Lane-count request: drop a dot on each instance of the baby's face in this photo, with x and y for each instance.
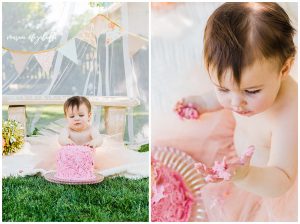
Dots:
(257, 91)
(78, 118)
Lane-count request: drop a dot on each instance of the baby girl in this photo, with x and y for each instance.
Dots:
(77, 111)
(249, 52)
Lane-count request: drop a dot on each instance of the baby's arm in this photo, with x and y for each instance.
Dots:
(204, 103)
(279, 175)
(64, 139)
(97, 138)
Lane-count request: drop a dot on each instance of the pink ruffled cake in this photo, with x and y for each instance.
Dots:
(75, 163)
(171, 200)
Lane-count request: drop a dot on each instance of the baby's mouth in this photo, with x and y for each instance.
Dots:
(242, 112)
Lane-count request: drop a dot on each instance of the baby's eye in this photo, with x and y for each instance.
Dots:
(71, 116)
(252, 91)
(223, 90)
(81, 115)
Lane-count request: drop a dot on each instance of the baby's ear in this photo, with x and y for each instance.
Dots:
(286, 68)
(90, 115)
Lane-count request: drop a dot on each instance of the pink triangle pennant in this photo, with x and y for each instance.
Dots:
(20, 61)
(100, 25)
(113, 33)
(45, 60)
(88, 35)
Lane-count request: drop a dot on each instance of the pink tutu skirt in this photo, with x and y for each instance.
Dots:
(209, 139)
(111, 158)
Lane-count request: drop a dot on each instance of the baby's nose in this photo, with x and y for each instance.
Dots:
(237, 102)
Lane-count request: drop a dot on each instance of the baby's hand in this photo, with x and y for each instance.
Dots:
(235, 169)
(219, 172)
(67, 142)
(186, 110)
(93, 144)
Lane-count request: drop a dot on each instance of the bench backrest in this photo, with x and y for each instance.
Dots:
(112, 101)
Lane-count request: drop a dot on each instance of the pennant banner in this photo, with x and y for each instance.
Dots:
(20, 61)
(45, 60)
(98, 25)
(69, 51)
(88, 35)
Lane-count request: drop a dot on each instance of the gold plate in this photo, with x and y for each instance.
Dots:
(51, 177)
(183, 164)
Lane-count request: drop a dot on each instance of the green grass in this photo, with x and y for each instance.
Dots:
(34, 199)
(144, 148)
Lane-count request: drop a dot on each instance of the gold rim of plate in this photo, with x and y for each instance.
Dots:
(183, 164)
(51, 178)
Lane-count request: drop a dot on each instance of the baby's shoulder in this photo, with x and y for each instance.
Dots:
(65, 131)
(287, 105)
(285, 117)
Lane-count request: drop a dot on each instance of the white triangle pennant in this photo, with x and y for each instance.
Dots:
(45, 60)
(114, 32)
(20, 61)
(69, 51)
(100, 25)
(88, 35)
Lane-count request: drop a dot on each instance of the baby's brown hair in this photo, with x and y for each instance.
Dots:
(77, 101)
(237, 34)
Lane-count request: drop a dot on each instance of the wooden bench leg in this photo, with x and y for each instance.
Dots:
(18, 113)
(115, 120)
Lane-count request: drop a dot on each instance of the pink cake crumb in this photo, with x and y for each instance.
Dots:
(171, 200)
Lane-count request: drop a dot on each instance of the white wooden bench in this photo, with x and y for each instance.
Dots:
(114, 108)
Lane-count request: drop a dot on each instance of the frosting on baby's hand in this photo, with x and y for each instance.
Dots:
(247, 155)
(222, 170)
(188, 111)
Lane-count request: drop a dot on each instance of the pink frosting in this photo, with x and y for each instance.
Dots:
(188, 111)
(171, 200)
(221, 169)
(249, 153)
(75, 163)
